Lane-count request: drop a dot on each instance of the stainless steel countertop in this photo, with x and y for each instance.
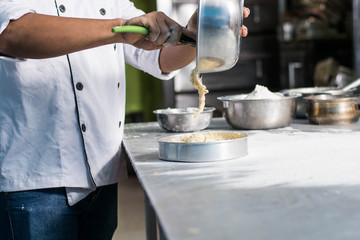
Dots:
(298, 182)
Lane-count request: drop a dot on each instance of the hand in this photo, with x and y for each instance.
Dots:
(244, 30)
(163, 31)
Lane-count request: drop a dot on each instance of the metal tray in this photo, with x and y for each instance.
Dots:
(203, 151)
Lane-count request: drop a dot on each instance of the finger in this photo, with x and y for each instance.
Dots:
(188, 33)
(154, 32)
(175, 33)
(143, 21)
(165, 32)
(244, 31)
(192, 24)
(246, 12)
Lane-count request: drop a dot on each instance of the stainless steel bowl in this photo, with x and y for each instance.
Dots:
(329, 109)
(203, 151)
(243, 113)
(182, 119)
(311, 91)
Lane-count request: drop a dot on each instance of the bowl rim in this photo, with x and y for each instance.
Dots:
(286, 96)
(182, 111)
(309, 90)
(331, 98)
(162, 139)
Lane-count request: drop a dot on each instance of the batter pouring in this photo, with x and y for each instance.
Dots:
(196, 81)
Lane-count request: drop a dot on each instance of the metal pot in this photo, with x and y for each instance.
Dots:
(311, 91)
(218, 38)
(346, 91)
(331, 109)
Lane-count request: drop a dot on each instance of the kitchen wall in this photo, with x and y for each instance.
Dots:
(309, 32)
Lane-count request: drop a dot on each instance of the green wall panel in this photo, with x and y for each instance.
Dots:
(143, 92)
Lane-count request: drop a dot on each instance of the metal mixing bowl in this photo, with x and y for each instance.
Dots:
(182, 119)
(329, 109)
(243, 113)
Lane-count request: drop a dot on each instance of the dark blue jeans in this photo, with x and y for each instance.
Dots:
(45, 215)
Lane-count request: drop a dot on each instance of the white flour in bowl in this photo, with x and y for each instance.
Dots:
(261, 92)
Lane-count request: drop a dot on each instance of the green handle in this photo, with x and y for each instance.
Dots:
(131, 29)
(143, 30)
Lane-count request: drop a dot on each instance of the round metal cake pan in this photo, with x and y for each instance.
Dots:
(202, 151)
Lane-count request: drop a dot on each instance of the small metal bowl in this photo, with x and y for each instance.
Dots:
(330, 109)
(183, 120)
(229, 145)
(243, 113)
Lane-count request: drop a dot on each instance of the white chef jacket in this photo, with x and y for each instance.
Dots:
(62, 118)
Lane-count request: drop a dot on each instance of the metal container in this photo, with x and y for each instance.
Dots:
(346, 91)
(306, 92)
(182, 119)
(203, 151)
(218, 37)
(330, 109)
(243, 113)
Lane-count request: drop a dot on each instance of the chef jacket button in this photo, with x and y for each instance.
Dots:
(62, 8)
(79, 86)
(102, 11)
(120, 124)
(118, 84)
(83, 127)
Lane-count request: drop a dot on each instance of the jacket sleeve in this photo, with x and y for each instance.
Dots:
(147, 61)
(11, 10)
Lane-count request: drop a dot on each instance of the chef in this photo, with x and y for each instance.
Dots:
(62, 107)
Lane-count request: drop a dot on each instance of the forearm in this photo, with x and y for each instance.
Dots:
(176, 57)
(43, 36)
